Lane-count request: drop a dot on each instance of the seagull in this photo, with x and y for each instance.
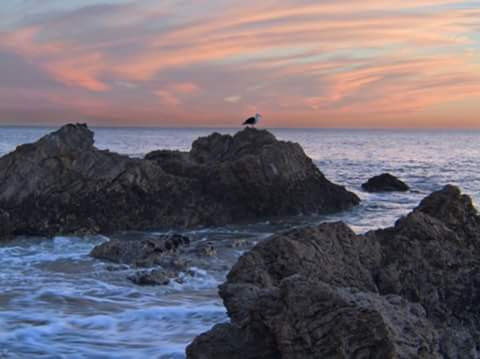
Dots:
(253, 120)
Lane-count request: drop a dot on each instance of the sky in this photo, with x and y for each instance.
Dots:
(211, 63)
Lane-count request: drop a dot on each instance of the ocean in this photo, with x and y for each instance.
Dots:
(57, 302)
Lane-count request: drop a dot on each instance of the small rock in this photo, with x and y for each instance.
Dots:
(239, 243)
(206, 250)
(141, 253)
(385, 183)
(116, 268)
(154, 277)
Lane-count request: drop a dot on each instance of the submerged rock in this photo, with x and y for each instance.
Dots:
(409, 291)
(206, 250)
(153, 277)
(140, 252)
(63, 184)
(385, 183)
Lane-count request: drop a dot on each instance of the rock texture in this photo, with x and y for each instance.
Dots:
(63, 184)
(153, 277)
(410, 291)
(140, 253)
(385, 183)
(252, 175)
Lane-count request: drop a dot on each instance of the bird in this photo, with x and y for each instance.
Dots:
(253, 120)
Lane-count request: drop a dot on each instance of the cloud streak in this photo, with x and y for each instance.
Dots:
(335, 63)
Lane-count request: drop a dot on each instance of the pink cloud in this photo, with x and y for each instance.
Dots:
(168, 98)
(185, 87)
(307, 59)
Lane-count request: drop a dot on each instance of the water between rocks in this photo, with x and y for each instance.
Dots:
(57, 302)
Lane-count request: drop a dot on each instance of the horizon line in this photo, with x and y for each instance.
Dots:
(220, 127)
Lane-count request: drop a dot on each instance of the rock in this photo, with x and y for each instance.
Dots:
(409, 291)
(240, 243)
(231, 342)
(117, 268)
(140, 253)
(206, 250)
(311, 319)
(62, 184)
(253, 176)
(385, 183)
(154, 277)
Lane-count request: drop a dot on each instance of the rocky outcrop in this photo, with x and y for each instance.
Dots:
(63, 184)
(252, 175)
(409, 291)
(385, 183)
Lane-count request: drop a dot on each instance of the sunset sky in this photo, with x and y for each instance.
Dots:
(301, 63)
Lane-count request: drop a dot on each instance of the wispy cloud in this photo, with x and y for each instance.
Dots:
(346, 63)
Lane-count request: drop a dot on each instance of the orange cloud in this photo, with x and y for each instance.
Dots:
(82, 72)
(310, 59)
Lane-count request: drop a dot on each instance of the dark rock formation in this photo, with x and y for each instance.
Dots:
(166, 253)
(252, 175)
(63, 184)
(140, 253)
(385, 183)
(410, 291)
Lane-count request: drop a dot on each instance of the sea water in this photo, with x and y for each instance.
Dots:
(57, 302)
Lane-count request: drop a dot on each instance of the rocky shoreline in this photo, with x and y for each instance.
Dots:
(409, 291)
(315, 291)
(62, 184)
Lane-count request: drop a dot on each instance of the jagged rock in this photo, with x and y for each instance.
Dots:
(253, 175)
(385, 183)
(140, 253)
(409, 291)
(63, 184)
(311, 319)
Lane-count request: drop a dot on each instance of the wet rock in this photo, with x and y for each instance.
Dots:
(206, 250)
(232, 342)
(153, 277)
(385, 183)
(409, 291)
(240, 243)
(311, 319)
(5, 224)
(62, 184)
(117, 268)
(142, 252)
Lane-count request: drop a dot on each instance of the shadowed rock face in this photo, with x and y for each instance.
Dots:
(410, 291)
(253, 175)
(385, 183)
(63, 184)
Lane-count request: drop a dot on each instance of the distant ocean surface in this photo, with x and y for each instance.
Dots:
(56, 302)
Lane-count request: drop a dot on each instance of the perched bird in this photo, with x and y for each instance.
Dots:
(253, 120)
